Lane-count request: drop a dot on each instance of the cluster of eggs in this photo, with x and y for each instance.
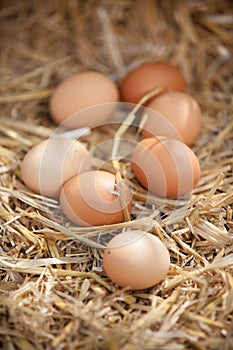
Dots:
(162, 161)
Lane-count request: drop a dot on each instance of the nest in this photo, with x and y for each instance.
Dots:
(54, 292)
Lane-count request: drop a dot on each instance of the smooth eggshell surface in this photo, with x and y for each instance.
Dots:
(149, 76)
(166, 167)
(136, 259)
(91, 199)
(84, 100)
(49, 164)
(179, 110)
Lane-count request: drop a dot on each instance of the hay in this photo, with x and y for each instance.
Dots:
(54, 294)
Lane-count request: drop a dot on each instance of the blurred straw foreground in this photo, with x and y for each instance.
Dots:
(54, 293)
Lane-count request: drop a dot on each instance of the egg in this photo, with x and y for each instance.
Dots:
(179, 110)
(166, 167)
(136, 259)
(93, 198)
(49, 164)
(149, 76)
(83, 100)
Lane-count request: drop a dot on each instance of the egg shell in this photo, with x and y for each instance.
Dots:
(49, 164)
(83, 100)
(136, 259)
(179, 110)
(166, 167)
(91, 199)
(149, 76)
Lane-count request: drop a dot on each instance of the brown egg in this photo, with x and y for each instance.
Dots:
(94, 199)
(179, 110)
(83, 100)
(49, 164)
(147, 77)
(136, 259)
(166, 167)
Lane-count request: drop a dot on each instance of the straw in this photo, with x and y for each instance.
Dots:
(54, 293)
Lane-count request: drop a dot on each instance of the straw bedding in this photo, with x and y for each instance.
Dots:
(54, 293)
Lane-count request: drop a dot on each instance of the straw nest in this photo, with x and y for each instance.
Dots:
(54, 293)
